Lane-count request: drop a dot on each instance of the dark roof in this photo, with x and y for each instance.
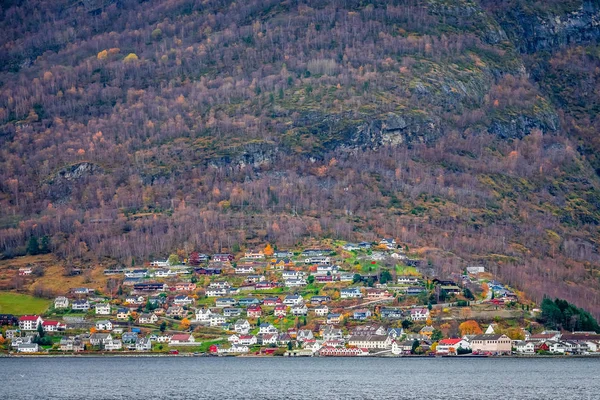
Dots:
(487, 337)
(580, 337)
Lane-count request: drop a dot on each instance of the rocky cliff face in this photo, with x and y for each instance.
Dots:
(61, 185)
(545, 30)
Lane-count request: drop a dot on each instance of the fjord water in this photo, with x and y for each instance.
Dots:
(301, 378)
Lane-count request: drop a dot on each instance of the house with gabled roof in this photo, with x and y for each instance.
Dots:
(391, 313)
(280, 310)
(293, 299)
(272, 301)
(203, 314)
(500, 344)
(254, 311)
(113, 345)
(329, 333)
(304, 335)
(30, 322)
(98, 339)
(451, 346)
(102, 309)
(53, 326)
(104, 325)
(268, 339)
(388, 243)
(321, 310)
(241, 326)
(80, 305)
(362, 314)
(265, 328)
(299, 309)
(143, 344)
(371, 341)
(232, 312)
(419, 314)
(182, 338)
(350, 293)
(175, 311)
(183, 300)
(123, 313)
(61, 302)
(334, 318)
(147, 318)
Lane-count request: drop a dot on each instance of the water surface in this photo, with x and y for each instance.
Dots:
(173, 378)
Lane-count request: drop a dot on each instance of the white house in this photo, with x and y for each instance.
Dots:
(80, 305)
(217, 319)
(182, 338)
(388, 243)
(148, 318)
(371, 341)
(300, 309)
(182, 300)
(321, 311)
(234, 349)
(102, 309)
(53, 326)
(294, 282)
(30, 322)
(451, 346)
(350, 293)
(292, 274)
(28, 348)
(216, 291)
(241, 326)
(293, 299)
(244, 269)
(143, 344)
(98, 339)
(304, 335)
(419, 314)
(112, 345)
(267, 328)
(203, 314)
(61, 302)
(104, 325)
(524, 347)
(408, 280)
(247, 340)
(254, 255)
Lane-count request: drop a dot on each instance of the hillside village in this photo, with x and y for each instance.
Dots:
(353, 299)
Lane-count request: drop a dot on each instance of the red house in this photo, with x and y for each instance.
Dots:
(271, 302)
(254, 311)
(222, 257)
(280, 310)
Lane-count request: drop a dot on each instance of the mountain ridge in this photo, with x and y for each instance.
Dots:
(215, 124)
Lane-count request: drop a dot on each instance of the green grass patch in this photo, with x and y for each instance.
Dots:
(21, 304)
(405, 270)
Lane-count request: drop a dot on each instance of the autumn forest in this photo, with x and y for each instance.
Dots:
(131, 129)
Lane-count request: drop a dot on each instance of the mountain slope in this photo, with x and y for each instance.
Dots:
(130, 129)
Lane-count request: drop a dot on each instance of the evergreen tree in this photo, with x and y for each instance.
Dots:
(414, 347)
(40, 331)
(385, 277)
(33, 247)
(45, 245)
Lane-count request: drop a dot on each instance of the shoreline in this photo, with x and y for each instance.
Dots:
(206, 355)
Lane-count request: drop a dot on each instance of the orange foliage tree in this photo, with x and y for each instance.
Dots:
(470, 327)
(268, 250)
(185, 324)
